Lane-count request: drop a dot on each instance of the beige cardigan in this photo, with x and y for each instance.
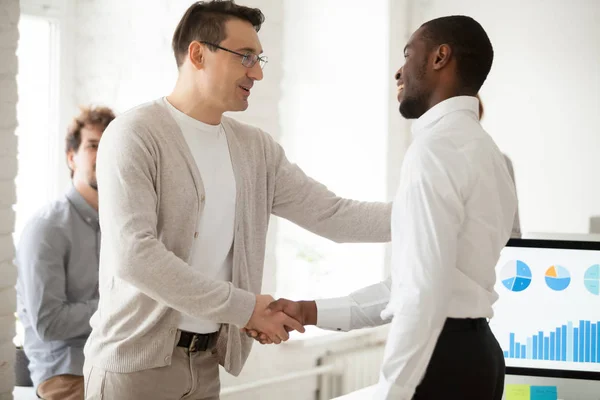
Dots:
(151, 195)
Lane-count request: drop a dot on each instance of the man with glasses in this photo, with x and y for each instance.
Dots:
(186, 196)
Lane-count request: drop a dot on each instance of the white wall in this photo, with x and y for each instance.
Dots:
(9, 18)
(542, 99)
(334, 121)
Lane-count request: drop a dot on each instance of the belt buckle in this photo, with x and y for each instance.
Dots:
(192, 347)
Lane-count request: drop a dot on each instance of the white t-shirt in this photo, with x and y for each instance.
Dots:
(212, 249)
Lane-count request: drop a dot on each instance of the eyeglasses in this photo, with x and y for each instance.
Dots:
(248, 59)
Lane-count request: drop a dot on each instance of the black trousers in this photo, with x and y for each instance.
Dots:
(467, 364)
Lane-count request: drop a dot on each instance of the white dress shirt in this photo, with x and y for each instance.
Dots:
(452, 215)
(212, 249)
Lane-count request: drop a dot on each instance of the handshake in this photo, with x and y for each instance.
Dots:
(272, 320)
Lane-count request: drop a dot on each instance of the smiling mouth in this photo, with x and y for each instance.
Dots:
(247, 90)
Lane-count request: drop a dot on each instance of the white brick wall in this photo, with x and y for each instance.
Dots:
(9, 18)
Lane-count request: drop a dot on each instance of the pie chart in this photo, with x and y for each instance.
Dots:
(591, 279)
(558, 278)
(516, 276)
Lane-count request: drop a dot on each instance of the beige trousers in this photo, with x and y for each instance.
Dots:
(191, 376)
(61, 387)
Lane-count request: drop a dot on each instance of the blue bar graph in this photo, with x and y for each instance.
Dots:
(511, 350)
(587, 340)
(558, 340)
(594, 334)
(581, 357)
(563, 347)
(576, 344)
(598, 342)
(572, 342)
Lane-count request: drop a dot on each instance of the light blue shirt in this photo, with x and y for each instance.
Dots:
(57, 285)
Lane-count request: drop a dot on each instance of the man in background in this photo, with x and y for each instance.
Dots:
(57, 261)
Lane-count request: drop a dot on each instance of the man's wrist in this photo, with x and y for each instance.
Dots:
(309, 312)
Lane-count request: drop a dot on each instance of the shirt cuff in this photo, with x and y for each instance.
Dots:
(334, 314)
(389, 390)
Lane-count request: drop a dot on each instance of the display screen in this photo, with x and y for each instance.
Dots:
(547, 315)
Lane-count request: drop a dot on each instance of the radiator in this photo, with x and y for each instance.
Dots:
(339, 373)
(353, 370)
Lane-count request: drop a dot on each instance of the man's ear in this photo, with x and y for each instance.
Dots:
(196, 54)
(70, 161)
(442, 56)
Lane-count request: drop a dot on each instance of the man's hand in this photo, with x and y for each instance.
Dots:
(273, 323)
(305, 312)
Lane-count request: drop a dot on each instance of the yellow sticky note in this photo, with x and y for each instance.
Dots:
(517, 392)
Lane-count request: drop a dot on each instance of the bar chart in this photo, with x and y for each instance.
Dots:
(579, 342)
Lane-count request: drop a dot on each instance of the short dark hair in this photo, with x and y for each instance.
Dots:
(204, 21)
(470, 45)
(98, 117)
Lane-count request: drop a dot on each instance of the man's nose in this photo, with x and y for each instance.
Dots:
(399, 73)
(255, 73)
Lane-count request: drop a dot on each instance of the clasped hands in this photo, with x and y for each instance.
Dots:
(271, 320)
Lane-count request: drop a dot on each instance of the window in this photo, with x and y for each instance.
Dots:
(37, 116)
(334, 124)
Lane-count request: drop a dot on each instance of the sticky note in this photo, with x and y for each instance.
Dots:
(517, 392)
(544, 393)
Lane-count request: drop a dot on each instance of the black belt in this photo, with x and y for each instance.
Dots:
(465, 324)
(197, 341)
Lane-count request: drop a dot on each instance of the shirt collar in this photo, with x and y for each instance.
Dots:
(440, 110)
(87, 212)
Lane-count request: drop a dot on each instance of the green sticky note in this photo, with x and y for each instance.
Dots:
(544, 393)
(517, 392)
